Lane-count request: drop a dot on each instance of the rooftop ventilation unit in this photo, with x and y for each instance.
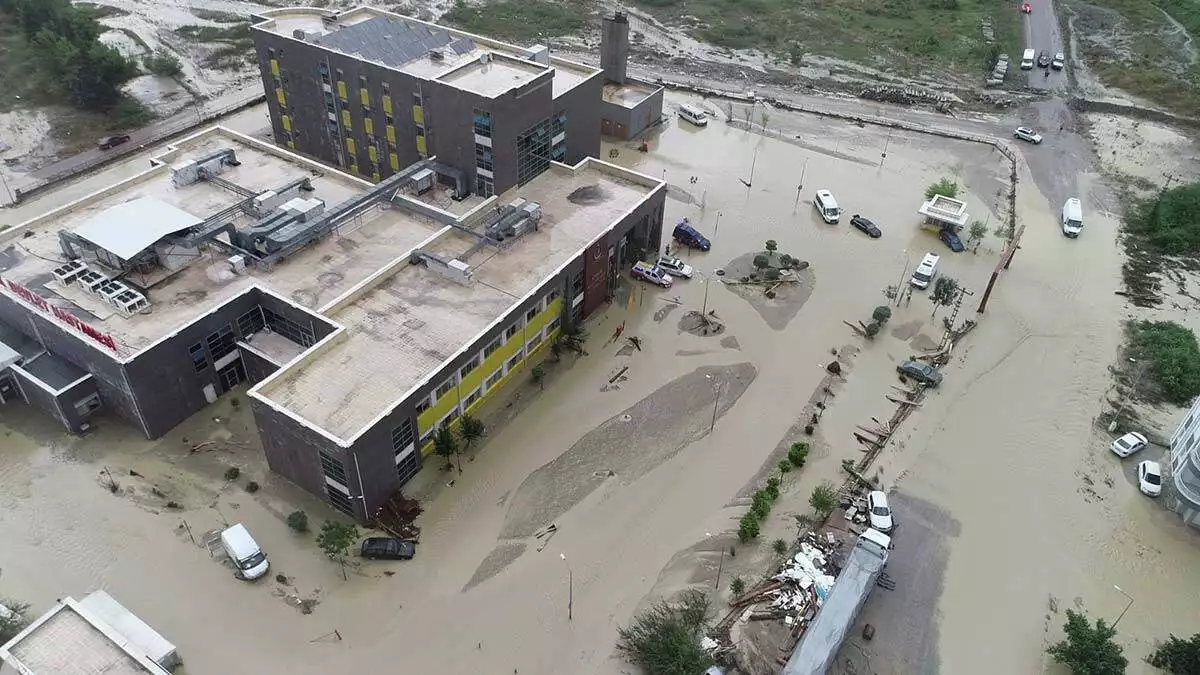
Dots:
(130, 302)
(538, 54)
(299, 34)
(67, 274)
(111, 289)
(485, 58)
(455, 270)
(436, 55)
(90, 280)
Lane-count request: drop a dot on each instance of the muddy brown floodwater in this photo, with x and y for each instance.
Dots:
(990, 462)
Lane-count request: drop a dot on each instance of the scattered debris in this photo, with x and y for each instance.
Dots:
(396, 516)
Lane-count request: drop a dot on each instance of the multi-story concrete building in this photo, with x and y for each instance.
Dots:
(372, 92)
(1183, 497)
(361, 317)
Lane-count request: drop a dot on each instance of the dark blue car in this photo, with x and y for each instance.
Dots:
(947, 235)
(688, 236)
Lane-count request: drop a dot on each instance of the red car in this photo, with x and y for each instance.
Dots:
(1027, 8)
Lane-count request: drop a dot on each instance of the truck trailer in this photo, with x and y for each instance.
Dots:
(815, 652)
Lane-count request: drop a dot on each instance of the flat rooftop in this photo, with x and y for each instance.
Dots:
(628, 95)
(311, 278)
(409, 324)
(66, 642)
(404, 44)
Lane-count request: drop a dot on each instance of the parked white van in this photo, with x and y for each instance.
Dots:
(1027, 59)
(923, 275)
(827, 206)
(1072, 217)
(693, 114)
(241, 548)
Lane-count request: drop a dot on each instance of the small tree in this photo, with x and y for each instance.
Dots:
(471, 429)
(823, 499)
(761, 262)
(945, 291)
(772, 246)
(14, 621)
(737, 586)
(873, 329)
(298, 521)
(798, 453)
(787, 262)
(538, 374)
(335, 540)
(445, 444)
(779, 546)
(163, 63)
(881, 314)
(748, 527)
(665, 639)
(1087, 649)
(944, 187)
(976, 234)
(1177, 656)
(771, 274)
(784, 466)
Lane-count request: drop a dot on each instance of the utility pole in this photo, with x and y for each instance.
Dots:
(886, 143)
(962, 293)
(800, 187)
(900, 282)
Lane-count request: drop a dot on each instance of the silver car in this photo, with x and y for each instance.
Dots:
(1027, 134)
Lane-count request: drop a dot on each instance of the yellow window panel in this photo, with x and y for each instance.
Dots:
(275, 67)
(342, 90)
(364, 96)
(350, 146)
(375, 176)
(373, 153)
(421, 146)
(394, 159)
(346, 119)
(354, 169)
(369, 125)
(292, 144)
(391, 134)
(287, 122)
(418, 114)
(387, 104)
(282, 97)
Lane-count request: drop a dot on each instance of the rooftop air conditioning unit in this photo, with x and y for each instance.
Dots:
(436, 55)
(90, 280)
(299, 34)
(237, 263)
(485, 58)
(460, 271)
(67, 274)
(130, 302)
(111, 289)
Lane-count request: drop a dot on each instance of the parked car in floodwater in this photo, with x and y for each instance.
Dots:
(921, 372)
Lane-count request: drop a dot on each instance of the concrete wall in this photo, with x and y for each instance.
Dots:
(67, 398)
(292, 450)
(258, 367)
(624, 123)
(39, 399)
(582, 105)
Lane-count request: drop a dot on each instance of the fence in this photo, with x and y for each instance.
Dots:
(161, 132)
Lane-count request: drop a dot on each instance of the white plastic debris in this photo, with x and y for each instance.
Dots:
(708, 644)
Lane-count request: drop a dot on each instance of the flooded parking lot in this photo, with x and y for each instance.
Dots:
(989, 469)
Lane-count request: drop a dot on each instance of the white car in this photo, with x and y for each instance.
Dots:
(1027, 134)
(675, 266)
(1059, 61)
(1150, 478)
(1129, 444)
(879, 512)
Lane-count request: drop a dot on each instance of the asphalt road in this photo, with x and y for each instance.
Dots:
(1042, 32)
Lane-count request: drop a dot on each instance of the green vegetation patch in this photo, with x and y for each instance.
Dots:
(522, 20)
(1135, 46)
(101, 11)
(216, 16)
(236, 33)
(1171, 356)
(1169, 221)
(907, 35)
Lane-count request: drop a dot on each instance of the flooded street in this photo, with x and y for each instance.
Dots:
(645, 470)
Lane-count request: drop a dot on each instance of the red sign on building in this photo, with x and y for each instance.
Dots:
(62, 315)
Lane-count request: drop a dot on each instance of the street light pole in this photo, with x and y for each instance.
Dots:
(1127, 606)
(570, 588)
(716, 400)
(900, 281)
(720, 564)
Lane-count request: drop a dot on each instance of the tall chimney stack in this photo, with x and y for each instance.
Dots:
(614, 47)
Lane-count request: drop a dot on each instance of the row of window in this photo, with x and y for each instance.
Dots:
(489, 382)
(223, 341)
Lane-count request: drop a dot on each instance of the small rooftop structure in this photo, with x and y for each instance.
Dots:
(629, 94)
(944, 210)
(74, 639)
(129, 228)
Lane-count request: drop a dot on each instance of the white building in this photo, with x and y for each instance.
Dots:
(1184, 498)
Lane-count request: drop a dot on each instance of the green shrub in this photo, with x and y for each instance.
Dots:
(163, 63)
(737, 586)
(823, 499)
(748, 527)
(232, 473)
(772, 488)
(779, 546)
(761, 504)
(784, 466)
(772, 245)
(761, 261)
(298, 521)
(798, 454)
(252, 487)
(1170, 221)
(881, 314)
(771, 274)
(1171, 356)
(944, 187)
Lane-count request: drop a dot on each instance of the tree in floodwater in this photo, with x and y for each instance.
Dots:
(1088, 649)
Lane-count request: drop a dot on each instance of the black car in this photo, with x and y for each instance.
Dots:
(387, 548)
(1044, 59)
(951, 239)
(112, 141)
(866, 226)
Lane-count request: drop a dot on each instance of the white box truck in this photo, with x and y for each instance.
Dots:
(1027, 59)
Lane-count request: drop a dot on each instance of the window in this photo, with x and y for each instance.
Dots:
(420, 131)
(552, 296)
(445, 388)
(483, 123)
(466, 369)
(550, 327)
(270, 53)
(533, 343)
(484, 187)
(301, 335)
(251, 322)
(332, 466)
(470, 399)
(577, 284)
(511, 364)
(402, 436)
(533, 152)
(362, 81)
(387, 89)
(511, 331)
(389, 120)
(533, 311)
(491, 348)
(221, 343)
(422, 405)
(417, 99)
(493, 379)
(339, 500)
(199, 359)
